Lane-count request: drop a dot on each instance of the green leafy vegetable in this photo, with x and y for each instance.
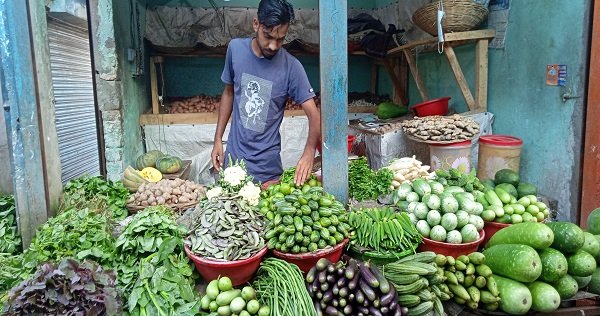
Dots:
(454, 177)
(11, 273)
(79, 191)
(142, 237)
(164, 285)
(82, 234)
(154, 272)
(10, 240)
(288, 176)
(366, 184)
(69, 289)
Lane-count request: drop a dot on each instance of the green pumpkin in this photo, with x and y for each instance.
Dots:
(168, 164)
(148, 159)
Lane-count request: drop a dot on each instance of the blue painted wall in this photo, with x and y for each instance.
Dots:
(186, 76)
(539, 33)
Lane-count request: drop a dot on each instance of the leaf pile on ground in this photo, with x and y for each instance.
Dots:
(77, 193)
(10, 240)
(70, 288)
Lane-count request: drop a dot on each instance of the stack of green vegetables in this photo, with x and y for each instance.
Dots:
(79, 191)
(441, 213)
(418, 283)
(280, 285)
(367, 184)
(154, 272)
(469, 281)
(223, 299)
(10, 241)
(304, 219)
(383, 230)
(454, 177)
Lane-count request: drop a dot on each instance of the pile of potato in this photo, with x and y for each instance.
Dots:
(197, 104)
(167, 192)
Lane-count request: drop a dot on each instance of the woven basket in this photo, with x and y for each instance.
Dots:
(461, 15)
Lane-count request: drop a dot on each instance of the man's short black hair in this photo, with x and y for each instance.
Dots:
(275, 12)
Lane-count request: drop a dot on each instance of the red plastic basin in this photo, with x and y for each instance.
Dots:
(432, 107)
(453, 250)
(305, 261)
(239, 271)
(351, 139)
(490, 229)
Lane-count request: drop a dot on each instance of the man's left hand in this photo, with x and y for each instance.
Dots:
(303, 169)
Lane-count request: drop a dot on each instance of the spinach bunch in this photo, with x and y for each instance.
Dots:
(366, 184)
(11, 273)
(79, 191)
(142, 237)
(10, 240)
(154, 272)
(164, 285)
(81, 234)
(70, 288)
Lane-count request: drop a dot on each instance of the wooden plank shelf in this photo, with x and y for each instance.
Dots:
(211, 117)
(477, 102)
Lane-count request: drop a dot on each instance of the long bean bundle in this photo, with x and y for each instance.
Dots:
(280, 285)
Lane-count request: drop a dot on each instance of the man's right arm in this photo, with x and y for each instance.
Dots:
(225, 109)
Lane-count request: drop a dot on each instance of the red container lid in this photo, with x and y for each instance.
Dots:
(463, 143)
(501, 140)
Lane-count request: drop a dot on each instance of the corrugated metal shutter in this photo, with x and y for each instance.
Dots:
(74, 94)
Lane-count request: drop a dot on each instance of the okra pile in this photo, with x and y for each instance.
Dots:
(468, 281)
(418, 282)
(352, 288)
(383, 230)
(303, 220)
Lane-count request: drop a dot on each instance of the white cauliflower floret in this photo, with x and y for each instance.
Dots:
(234, 175)
(250, 193)
(214, 192)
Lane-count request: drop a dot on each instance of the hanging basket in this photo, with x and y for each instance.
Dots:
(460, 16)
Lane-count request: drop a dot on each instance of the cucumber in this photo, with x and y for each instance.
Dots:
(545, 298)
(568, 237)
(581, 264)
(554, 265)
(566, 286)
(537, 235)
(421, 187)
(515, 298)
(492, 198)
(518, 262)
(502, 195)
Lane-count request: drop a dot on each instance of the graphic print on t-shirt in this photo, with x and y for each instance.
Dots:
(254, 102)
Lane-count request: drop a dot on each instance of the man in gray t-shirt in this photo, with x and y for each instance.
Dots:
(259, 76)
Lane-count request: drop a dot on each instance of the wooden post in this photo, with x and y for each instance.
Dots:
(590, 187)
(399, 90)
(374, 77)
(481, 74)
(154, 61)
(333, 15)
(20, 100)
(412, 64)
(460, 77)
